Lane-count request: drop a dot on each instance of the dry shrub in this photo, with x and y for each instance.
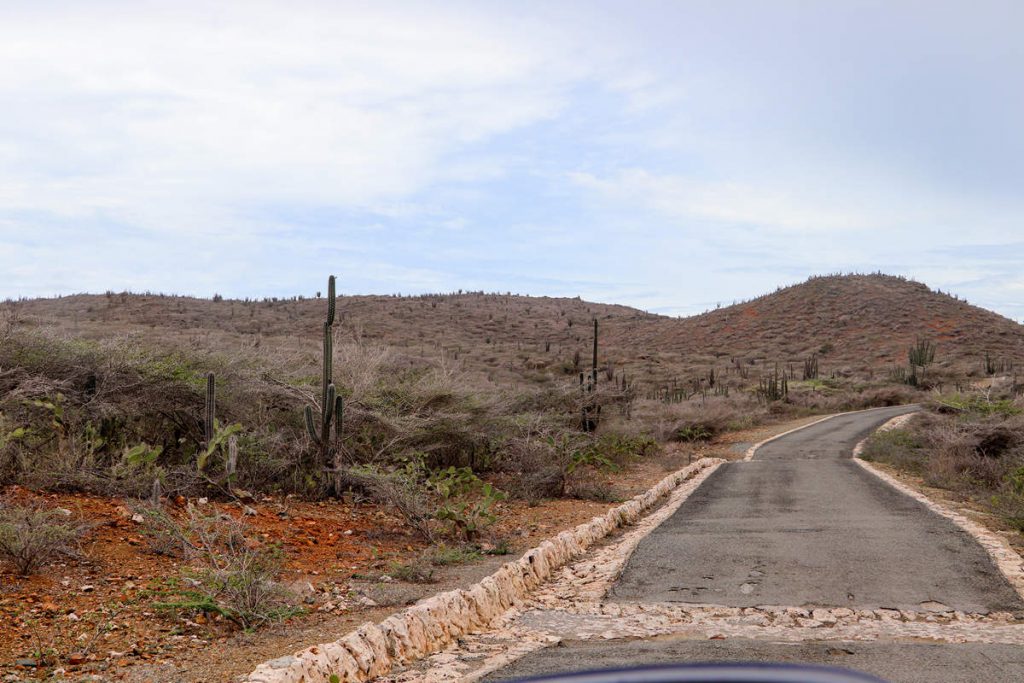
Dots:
(32, 536)
(692, 421)
(400, 489)
(976, 451)
(230, 572)
(881, 396)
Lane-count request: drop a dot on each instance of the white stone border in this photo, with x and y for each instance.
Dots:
(428, 626)
(1006, 559)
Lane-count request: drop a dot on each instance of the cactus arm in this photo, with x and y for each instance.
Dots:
(310, 427)
(330, 300)
(339, 411)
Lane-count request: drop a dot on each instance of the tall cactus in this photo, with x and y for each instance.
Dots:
(331, 405)
(209, 427)
(591, 410)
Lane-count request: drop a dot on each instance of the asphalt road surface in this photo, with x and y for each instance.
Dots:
(802, 525)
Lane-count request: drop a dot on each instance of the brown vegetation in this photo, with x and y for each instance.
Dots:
(969, 444)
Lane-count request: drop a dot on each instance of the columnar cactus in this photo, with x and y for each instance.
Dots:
(210, 409)
(331, 405)
(592, 408)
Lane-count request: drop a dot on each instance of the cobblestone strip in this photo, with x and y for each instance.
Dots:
(425, 628)
(613, 621)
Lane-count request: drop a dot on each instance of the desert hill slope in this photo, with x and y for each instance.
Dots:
(865, 320)
(851, 321)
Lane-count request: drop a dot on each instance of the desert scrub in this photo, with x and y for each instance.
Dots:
(230, 571)
(899, 447)
(972, 445)
(452, 502)
(32, 536)
(976, 405)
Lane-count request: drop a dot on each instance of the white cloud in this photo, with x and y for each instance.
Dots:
(127, 111)
(727, 202)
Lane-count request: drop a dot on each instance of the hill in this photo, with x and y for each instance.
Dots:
(861, 321)
(854, 323)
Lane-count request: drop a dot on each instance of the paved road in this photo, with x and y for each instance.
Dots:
(802, 524)
(904, 662)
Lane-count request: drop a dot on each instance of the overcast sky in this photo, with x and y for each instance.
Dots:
(667, 155)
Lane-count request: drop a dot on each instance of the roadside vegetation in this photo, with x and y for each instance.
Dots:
(971, 444)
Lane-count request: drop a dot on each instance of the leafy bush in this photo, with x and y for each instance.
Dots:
(466, 502)
(32, 536)
(978, 404)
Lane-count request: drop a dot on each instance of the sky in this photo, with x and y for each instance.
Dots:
(665, 155)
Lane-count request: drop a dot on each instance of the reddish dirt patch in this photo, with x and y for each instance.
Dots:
(97, 613)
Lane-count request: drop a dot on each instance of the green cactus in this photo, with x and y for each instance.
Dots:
(591, 410)
(331, 405)
(811, 367)
(773, 388)
(921, 355)
(209, 426)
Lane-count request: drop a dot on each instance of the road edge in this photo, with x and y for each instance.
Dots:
(1004, 557)
(431, 624)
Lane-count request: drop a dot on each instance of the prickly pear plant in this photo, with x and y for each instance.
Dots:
(331, 405)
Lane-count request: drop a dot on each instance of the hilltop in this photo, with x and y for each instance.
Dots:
(864, 321)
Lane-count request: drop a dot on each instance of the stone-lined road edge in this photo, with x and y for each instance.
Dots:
(428, 626)
(1007, 561)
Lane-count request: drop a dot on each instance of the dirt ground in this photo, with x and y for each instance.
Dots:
(94, 617)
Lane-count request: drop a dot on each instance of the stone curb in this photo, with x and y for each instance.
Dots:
(1006, 559)
(431, 624)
